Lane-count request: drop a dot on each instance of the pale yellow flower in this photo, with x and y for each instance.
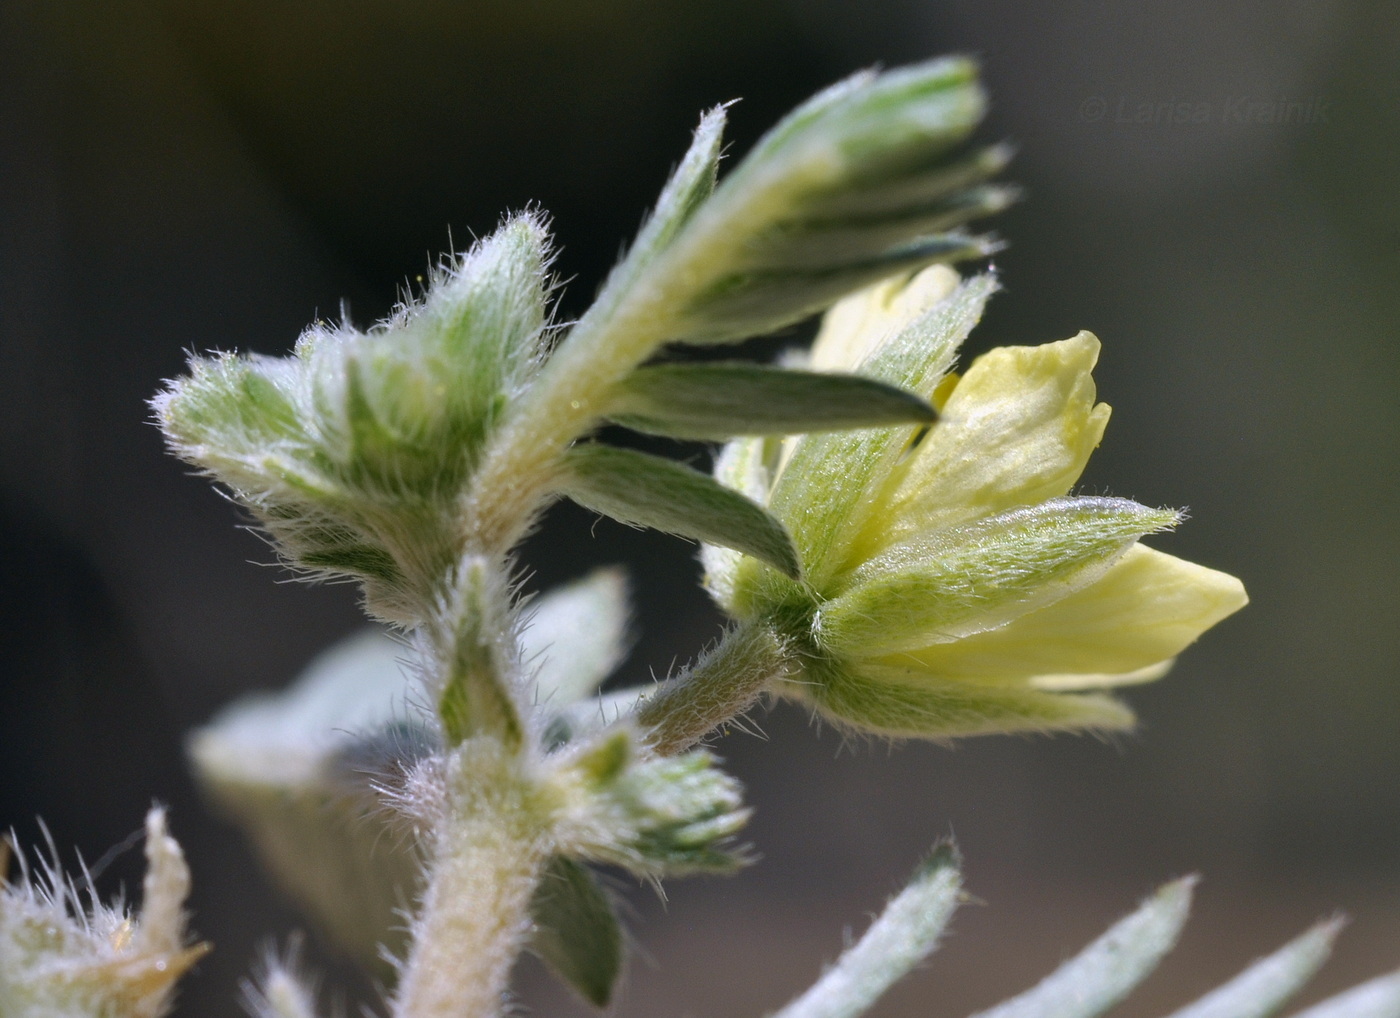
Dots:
(951, 584)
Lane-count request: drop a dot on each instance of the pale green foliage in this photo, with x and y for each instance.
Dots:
(1378, 998)
(905, 933)
(1264, 987)
(1092, 982)
(1108, 969)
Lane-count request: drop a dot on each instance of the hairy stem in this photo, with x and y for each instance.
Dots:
(491, 849)
(720, 687)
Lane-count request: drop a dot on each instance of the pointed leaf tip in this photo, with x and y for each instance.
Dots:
(715, 402)
(1264, 987)
(1111, 967)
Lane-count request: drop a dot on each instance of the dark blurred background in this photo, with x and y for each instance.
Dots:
(179, 176)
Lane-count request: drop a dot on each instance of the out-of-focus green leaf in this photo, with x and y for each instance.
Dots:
(906, 933)
(575, 636)
(576, 930)
(1108, 969)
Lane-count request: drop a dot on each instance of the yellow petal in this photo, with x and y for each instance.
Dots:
(858, 324)
(1016, 430)
(1071, 682)
(1145, 610)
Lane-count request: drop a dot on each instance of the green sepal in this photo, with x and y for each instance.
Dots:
(650, 491)
(828, 481)
(718, 401)
(576, 930)
(909, 703)
(964, 580)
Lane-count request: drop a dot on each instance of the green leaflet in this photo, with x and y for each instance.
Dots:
(968, 579)
(576, 930)
(1263, 988)
(905, 933)
(719, 401)
(863, 181)
(649, 491)
(1108, 969)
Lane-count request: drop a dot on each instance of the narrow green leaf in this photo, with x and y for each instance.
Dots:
(1377, 998)
(1108, 969)
(576, 931)
(765, 298)
(719, 401)
(1263, 988)
(904, 935)
(649, 491)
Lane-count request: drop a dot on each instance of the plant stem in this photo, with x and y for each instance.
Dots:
(491, 849)
(720, 687)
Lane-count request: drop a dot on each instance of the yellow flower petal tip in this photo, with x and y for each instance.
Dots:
(952, 586)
